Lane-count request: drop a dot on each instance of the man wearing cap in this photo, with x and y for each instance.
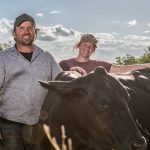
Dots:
(83, 64)
(21, 67)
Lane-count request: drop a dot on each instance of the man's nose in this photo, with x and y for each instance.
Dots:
(26, 30)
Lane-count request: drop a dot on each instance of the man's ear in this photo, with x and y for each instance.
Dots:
(36, 31)
(13, 33)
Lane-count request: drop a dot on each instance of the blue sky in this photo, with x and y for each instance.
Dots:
(121, 26)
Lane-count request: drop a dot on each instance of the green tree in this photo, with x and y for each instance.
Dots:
(126, 60)
(131, 60)
(119, 61)
(5, 45)
(146, 57)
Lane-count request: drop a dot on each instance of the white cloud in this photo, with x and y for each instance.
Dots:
(5, 25)
(146, 31)
(132, 23)
(55, 12)
(60, 41)
(137, 38)
(148, 25)
(55, 32)
(40, 14)
(114, 33)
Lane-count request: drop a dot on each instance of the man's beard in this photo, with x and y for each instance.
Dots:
(26, 40)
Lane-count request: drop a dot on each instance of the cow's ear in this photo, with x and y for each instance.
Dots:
(53, 85)
(45, 84)
(62, 88)
(100, 70)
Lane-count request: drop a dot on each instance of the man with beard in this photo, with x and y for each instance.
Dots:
(21, 67)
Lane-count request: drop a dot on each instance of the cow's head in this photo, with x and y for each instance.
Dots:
(95, 113)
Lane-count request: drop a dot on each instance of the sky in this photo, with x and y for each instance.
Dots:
(121, 26)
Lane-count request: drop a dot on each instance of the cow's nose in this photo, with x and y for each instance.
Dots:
(140, 144)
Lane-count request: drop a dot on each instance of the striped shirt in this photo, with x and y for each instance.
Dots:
(21, 94)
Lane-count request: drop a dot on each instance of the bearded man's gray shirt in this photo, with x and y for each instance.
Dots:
(21, 93)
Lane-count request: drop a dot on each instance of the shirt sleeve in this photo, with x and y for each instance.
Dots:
(63, 64)
(1, 72)
(56, 69)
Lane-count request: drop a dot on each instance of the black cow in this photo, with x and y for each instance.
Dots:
(138, 86)
(94, 110)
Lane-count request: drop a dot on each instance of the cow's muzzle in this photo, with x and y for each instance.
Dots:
(139, 144)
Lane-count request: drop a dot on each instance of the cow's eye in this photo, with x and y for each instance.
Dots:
(105, 106)
(101, 107)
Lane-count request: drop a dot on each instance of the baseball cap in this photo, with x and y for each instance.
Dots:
(24, 17)
(89, 38)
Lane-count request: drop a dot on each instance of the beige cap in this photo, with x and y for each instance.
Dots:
(89, 38)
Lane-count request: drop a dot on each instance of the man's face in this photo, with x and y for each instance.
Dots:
(25, 34)
(86, 49)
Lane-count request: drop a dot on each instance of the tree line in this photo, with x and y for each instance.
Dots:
(131, 60)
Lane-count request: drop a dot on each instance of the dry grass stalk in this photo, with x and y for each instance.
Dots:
(69, 144)
(53, 140)
(64, 147)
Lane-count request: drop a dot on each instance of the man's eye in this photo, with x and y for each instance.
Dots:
(30, 28)
(24, 28)
(21, 28)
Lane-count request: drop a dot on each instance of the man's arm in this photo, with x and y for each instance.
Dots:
(1, 72)
(127, 68)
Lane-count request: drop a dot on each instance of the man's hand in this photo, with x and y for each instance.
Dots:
(78, 69)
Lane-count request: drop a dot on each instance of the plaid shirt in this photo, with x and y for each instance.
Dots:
(21, 94)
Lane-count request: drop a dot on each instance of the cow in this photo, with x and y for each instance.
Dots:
(138, 85)
(94, 110)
